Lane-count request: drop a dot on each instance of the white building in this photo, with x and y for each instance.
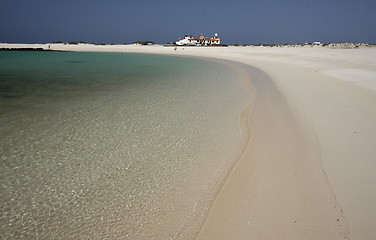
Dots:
(187, 40)
(213, 41)
(190, 40)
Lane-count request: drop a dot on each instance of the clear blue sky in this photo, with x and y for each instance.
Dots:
(236, 21)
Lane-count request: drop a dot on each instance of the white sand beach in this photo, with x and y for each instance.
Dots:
(309, 169)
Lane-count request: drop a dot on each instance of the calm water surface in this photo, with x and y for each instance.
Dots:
(110, 145)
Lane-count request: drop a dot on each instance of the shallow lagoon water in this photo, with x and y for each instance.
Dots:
(111, 145)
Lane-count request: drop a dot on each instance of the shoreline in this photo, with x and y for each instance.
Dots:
(321, 101)
(250, 201)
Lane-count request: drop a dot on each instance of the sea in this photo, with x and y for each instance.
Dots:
(114, 145)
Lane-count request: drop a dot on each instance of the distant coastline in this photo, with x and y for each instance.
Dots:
(101, 47)
(29, 49)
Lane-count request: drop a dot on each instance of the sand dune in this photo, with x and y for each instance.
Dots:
(309, 170)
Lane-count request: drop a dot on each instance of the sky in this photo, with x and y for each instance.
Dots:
(236, 21)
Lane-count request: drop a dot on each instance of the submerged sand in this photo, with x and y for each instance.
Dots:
(308, 171)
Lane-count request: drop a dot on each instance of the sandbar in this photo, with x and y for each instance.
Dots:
(308, 171)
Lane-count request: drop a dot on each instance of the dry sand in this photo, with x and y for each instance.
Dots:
(309, 171)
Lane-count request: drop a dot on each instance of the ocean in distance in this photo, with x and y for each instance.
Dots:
(112, 145)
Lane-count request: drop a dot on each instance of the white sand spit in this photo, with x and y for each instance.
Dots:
(309, 171)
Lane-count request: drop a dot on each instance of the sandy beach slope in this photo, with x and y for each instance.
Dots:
(309, 170)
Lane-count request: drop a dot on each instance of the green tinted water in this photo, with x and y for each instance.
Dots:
(110, 145)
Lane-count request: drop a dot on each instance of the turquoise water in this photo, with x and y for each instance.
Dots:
(111, 145)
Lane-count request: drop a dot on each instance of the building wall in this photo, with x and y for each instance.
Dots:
(189, 40)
